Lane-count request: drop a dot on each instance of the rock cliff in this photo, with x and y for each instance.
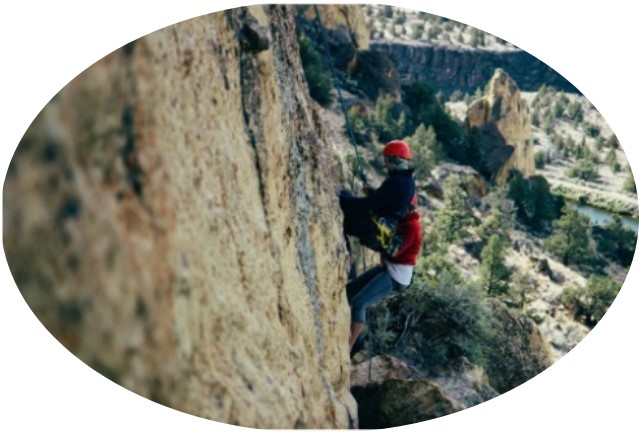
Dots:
(344, 27)
(170, 218)
(502, 119)
(450, 68)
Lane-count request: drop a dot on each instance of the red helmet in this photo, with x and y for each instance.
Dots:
(397, 148)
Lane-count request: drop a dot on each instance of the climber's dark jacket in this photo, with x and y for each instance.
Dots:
(390, 201)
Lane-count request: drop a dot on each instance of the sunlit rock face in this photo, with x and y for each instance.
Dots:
(170, 217)
(502, 119)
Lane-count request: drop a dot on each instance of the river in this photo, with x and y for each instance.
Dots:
(601, 217)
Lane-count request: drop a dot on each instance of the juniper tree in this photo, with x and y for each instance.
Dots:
(500, 219)
(570, 241)
(453, 220)
(617, 242)
(543, 204)
(493, 271)
(590, 303)
(535, 204)
(427, 151)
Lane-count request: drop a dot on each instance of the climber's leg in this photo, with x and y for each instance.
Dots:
(356, 330)
(374, 291)
(357, 285)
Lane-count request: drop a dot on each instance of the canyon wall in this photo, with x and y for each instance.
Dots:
(452, 68)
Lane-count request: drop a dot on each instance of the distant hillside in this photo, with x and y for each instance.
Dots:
(451, 55)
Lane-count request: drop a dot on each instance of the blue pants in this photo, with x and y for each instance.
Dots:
(370, 287)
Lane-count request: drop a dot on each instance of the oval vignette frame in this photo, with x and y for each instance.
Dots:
(118, 395)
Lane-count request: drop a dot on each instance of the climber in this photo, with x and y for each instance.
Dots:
(373, 218)
(394, 273)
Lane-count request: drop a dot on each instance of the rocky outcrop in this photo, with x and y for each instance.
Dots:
(502, 121)
(450, 68)
(376, 75)
(519, 352)
(170, 217)
(344, 27)
(391, 393)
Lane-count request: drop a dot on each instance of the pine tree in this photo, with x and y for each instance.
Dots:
(542, 204)
(427, 151)
(500, 219)
(494, 274)
(454, 218)
(570, 241)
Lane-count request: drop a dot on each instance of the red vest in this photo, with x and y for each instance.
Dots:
(410, 230)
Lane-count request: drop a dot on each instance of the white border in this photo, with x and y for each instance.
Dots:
(46, 44)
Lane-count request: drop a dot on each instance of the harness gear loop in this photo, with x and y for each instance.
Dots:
(385, 231)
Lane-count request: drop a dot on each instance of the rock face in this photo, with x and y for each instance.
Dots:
(520, 352)
(396, 394)
(452, 68)
(502, 119)
(376, 75)
(170, 217)
(345, 30)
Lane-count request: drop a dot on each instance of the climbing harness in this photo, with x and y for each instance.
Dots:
(361, 174)
(385, 231)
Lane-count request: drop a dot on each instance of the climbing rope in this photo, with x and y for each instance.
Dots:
(341, 100)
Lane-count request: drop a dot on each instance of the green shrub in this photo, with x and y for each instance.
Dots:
(500, 219)
(452, 321)
(616, 242)
(426, 109)
(629, 184)
(570, 241)
(319, 83)
(523, 290)
(575, 111)
(589, 304)
(592, 130)
(584, 169)
(536, 207)
(434, 265)
(613, 141)
(417, 30)
(540, 160)
(611, 157)
(494, 275)
(426, 150)
(453, 220)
